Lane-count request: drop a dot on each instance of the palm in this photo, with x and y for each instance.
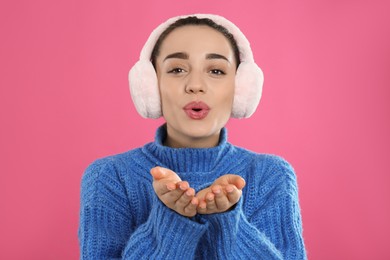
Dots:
(221, 195)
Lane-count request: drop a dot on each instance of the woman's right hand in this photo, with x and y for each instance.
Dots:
(173, 192)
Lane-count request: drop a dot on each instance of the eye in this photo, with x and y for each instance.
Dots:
(176, 71)
(217, 72)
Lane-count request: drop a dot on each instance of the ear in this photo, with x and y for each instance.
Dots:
(248, 89)
(144, 89)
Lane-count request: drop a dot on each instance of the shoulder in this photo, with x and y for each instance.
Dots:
(109, 169)
(122, 161)
(268, 168)
(117, 166)
(264, 160)
(277, 164)
(111, 162)
(276, 168)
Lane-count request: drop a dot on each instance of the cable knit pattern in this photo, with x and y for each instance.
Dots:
(122, 218)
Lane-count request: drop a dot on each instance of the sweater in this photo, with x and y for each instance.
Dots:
(121, 217)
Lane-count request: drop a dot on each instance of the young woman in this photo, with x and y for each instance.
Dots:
(191, 194)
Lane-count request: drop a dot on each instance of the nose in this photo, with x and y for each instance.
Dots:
(195, 84)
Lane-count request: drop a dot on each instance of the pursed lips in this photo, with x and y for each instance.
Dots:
(196, 110)
(196, 105)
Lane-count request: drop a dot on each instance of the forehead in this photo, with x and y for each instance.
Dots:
(200, 38)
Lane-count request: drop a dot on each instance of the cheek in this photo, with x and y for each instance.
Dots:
(225, 101)
(168, 96)
(229, 95)
(164, 89)
(165, 99)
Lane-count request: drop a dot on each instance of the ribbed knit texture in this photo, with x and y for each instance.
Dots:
(122, 218)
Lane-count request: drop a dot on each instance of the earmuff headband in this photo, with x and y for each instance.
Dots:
(249, 77)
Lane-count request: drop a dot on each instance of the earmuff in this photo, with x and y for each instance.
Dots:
(249, 77)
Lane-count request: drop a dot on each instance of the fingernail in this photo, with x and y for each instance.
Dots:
(229, 189)
(217, 191)
(189, 193)
(170, 186)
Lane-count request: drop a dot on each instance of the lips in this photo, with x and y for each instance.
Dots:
(196, 110)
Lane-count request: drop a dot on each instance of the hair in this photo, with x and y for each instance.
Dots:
(193, 20)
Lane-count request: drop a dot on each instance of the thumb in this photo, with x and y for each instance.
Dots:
(158, 172)
(237, 181)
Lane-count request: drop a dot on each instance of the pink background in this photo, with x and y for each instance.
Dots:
(64, 102)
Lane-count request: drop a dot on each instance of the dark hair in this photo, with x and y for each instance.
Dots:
(193, 20)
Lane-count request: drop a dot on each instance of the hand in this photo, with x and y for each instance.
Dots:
(221, 195)
(173, 192)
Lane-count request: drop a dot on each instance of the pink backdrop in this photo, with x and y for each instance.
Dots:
(64, 102)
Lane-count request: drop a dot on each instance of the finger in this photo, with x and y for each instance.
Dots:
(233, 194)
(172, 195)
(202, 206)
(210, 202)
(221, 199)
(182, 185)
(216, 189)
(159, 173)
(184, 199)
(240, 183)
(190, 209)
(236, 180)
(178, 188)
(161, 188)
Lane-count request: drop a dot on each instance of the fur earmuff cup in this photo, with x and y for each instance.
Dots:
(144, 89)
(248, 89)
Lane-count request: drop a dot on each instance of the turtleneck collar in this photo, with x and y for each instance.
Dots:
(187, 159)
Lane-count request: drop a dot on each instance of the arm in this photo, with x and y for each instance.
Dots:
(166, 235)
(265, 224)
(99, 236)
(107, 227)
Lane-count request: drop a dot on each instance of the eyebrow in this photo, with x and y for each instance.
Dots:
(184, 56)
(177, 55)
(212, 56)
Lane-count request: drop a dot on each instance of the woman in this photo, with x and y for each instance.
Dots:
(191, 194)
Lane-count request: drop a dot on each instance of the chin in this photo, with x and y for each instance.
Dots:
(199, 130)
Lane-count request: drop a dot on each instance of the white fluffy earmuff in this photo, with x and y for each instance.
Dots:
(249, 77)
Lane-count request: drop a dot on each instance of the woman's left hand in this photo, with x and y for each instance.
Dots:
(224, 193)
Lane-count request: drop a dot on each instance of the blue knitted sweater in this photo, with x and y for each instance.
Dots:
(122, 218)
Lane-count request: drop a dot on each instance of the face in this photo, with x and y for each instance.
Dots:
(196, 74)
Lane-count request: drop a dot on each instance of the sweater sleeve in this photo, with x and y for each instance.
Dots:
(166, 235)
(107, 228)
(273, 229)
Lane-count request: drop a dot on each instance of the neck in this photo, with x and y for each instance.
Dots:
(193, 143)
(179, 141)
